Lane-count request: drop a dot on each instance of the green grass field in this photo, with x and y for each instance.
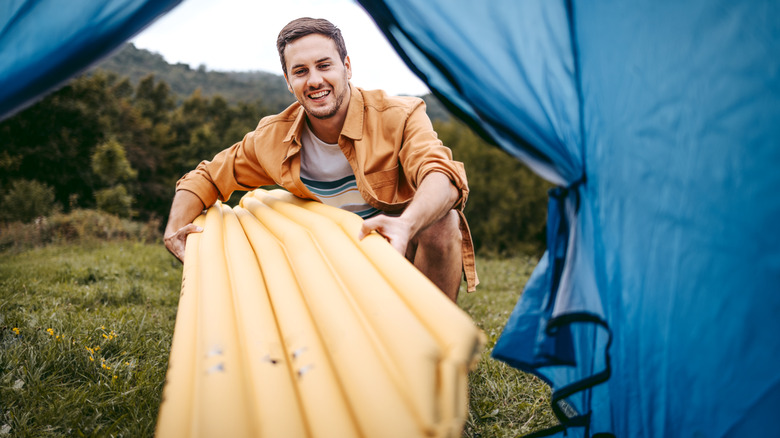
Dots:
(85, 331)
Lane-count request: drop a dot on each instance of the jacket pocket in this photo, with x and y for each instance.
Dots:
(383, 183)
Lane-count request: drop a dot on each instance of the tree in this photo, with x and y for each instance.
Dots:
(52, 141)
(110, 165)
(147, 135)
(26, 200)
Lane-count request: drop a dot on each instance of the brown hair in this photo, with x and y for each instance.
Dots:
(306, 26)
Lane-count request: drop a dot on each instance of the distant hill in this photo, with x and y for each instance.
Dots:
(270, 88)
(137, 63)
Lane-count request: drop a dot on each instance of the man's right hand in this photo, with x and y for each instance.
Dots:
(184, 209)
(176, 241)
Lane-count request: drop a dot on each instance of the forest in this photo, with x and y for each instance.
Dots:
(119, 136)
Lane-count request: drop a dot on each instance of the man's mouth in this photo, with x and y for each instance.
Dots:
(319, 94)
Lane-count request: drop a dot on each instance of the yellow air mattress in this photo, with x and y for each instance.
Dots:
(289, 326)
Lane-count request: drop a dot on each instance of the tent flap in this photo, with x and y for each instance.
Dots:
(662, 270)
(472, 56)
(44, 42)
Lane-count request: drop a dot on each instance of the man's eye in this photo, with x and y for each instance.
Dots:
(324, 66)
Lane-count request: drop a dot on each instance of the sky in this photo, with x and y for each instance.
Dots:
(240, 35)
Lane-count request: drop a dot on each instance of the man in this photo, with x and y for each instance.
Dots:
(363, 151)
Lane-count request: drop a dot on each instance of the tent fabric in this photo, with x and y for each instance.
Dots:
(45, 42)
(653, 312)
(538, 121)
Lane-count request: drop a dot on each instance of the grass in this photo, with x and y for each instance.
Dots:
(84, 337)
(503, 401)
(85, 332)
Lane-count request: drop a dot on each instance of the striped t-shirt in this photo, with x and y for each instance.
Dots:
(327, 174)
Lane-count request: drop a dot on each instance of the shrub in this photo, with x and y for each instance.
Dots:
(76, 226)
(115, 200)
(27, 200)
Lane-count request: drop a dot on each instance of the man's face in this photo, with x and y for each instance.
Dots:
(316, 75)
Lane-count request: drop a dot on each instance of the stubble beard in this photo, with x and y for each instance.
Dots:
(327, 113)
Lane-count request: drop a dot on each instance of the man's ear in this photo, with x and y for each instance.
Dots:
(289, 87)
(348, 66)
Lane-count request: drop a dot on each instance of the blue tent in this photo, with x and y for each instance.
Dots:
(654, 311)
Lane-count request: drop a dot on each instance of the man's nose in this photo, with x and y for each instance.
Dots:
(315, 79)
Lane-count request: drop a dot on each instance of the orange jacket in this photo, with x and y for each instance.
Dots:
(389, 142)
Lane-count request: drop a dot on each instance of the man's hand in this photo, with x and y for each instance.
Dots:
(433, 199)
(176, 241)
(184, 209)
(396, 230)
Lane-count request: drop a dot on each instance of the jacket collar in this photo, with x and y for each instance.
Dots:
(294, 133)
(353, 124)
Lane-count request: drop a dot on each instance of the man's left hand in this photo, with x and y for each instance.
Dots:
(395, 230)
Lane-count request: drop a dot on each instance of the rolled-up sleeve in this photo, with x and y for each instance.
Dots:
(235, 168)
(422, 153)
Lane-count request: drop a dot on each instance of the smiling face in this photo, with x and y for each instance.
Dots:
(317, 77)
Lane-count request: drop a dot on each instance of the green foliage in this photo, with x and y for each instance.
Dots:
(507, 206)
(153, 100)
(110, 165)
(52, 141)
(115, 200)
(99, 131)
(26, 200)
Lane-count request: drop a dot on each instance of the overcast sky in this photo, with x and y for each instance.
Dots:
(240, 35)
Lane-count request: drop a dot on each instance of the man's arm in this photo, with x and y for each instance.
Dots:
(434, 198)
(184, 209)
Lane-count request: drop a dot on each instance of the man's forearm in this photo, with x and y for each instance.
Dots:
(184, 209)
(434, 198)
(186, 206)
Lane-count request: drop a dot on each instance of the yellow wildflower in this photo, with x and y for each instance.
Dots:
(114, 378)
(51, 331)
(16, 330)
(91, 359)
